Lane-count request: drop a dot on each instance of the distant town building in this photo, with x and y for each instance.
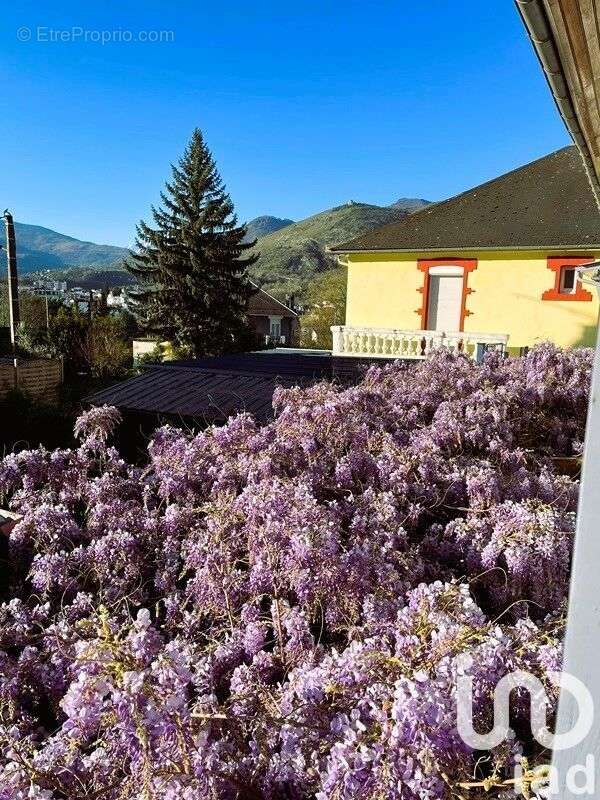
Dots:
(275, 323)
(118, 298)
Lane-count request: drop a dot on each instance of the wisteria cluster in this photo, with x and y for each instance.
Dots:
(281, 612)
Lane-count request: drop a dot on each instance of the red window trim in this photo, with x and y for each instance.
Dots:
(556, 263)
(425, 264)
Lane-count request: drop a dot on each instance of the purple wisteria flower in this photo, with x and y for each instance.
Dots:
(281, 612)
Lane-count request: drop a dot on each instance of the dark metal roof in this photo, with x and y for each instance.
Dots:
(212, 389)
(278, 362)
(207, 395)
(547, 204)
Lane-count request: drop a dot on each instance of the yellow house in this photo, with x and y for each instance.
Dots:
(491, 267)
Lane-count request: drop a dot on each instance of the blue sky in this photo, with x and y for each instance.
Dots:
(305, 105)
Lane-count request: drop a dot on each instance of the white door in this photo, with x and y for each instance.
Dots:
(445, 301)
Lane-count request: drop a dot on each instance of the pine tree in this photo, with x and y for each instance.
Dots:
(191, 266)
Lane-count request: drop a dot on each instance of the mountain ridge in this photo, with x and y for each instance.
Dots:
(39, 247)
(292, 253)
(265, 224)
(292, 257)
(411, 204)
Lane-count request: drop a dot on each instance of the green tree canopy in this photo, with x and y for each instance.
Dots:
(191, 263)
(327, 306)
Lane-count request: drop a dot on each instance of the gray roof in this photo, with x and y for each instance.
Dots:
(278, 362)
(187, 392)
(547, 204)
(210, 390)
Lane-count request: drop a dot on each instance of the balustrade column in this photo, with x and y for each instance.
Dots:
(392, 343)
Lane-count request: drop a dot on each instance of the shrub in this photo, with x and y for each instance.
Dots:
(281, 611)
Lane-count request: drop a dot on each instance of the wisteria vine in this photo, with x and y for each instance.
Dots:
(280, 612)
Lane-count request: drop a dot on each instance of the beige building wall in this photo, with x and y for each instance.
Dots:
(505, 297)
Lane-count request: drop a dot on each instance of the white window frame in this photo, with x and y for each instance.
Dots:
(275, 321)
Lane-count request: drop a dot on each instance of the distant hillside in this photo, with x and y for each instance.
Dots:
(88, 277)
(262, 226)
(411, 204)
(291, 257)
(291, 253)
(39, 248)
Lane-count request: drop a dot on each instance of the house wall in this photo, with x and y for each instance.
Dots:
(262, 327)
(147, 347)
(260, 324)
(506, 288)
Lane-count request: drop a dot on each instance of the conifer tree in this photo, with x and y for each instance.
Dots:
(191, 264)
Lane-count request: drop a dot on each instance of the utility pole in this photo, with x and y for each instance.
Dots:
(13, 282)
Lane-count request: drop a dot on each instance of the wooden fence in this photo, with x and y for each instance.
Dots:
(40, 378)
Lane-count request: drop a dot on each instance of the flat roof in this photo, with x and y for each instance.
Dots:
(211, 389)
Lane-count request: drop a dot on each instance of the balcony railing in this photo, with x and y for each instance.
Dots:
(392, 343)
(275, 341)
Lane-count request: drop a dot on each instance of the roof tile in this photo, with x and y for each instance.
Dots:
(545, 204)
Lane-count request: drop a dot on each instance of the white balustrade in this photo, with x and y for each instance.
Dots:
(355, 341)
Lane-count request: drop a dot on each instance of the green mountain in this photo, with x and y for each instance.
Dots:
(290, 258)
(261, 226)
(411, 203)
(291, 253)
(41, 248)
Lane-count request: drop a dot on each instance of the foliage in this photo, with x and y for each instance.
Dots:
(67, 334)
(31, 342)
(98, 345)
(326, 300)
(281, 612)
(32, 308)
(24, 423)
(293, 257)
(108, 352)
(191, 266)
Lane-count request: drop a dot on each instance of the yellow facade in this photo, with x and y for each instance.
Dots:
(505, 297)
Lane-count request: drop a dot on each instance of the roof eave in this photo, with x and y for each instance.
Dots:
(275, 300)
(562, 248)
(280, 312)
(535, 19)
